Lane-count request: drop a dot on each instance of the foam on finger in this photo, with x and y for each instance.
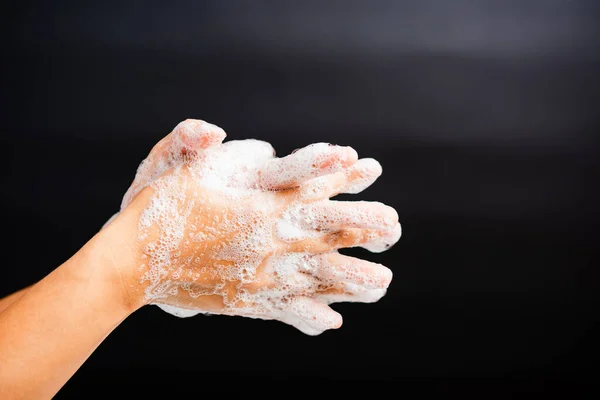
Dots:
(188, 135)
(311, 317)
(335, 267)
(196, 134)
(361, 175)
(210, 228)
(384, 241)
(309, 162)
(305, 221)
(348, 293)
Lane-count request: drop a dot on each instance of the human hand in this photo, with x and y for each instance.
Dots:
(230, 229)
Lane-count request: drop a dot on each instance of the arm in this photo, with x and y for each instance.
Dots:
(54, 326)
(184, 241)
(11, 298)
(49, 329)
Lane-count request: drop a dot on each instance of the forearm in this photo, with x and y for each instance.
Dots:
(5, 302)
(48, 332)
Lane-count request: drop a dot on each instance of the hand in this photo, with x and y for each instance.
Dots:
(230, 229)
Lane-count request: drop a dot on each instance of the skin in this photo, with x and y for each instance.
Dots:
(11, 298)
(48, 330)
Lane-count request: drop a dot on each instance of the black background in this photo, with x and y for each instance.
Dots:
(482, 113)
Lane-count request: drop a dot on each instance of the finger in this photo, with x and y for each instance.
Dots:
(187, 137)
(361, 175)
(351, 180)
(386, 240)
(286, 274)
(336, 215)
(335, 267)
(310, 316)
(348, 293)
(373, 240)
(305, 274)
(309, 162)
(296, 283)
(195, 134)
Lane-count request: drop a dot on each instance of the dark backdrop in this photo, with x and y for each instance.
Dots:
(482, 113)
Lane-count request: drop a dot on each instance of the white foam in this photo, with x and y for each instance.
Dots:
(211, 229)
(178, 311)
(368, 169)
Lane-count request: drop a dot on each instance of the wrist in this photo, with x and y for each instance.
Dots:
(114, 254)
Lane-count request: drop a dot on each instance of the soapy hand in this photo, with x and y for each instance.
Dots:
(228, 228)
